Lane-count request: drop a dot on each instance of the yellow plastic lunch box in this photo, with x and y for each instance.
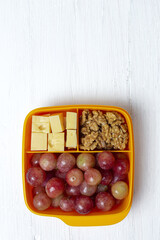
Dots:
(95, 218)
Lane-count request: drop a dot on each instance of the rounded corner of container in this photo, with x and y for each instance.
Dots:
(125, 111)
(28, 115)
(26, 203)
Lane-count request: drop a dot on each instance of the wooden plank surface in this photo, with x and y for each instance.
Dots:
(57, 52)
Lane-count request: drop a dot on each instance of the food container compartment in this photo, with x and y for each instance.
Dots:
(96, 217)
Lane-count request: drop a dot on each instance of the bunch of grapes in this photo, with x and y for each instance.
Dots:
(78, 183)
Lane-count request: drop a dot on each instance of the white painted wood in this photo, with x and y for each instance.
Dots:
(58, 52)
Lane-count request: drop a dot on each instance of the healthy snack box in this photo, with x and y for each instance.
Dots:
(59, 129)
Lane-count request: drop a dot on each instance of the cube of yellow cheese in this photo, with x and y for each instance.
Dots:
(38, 141)
(56, 142)
(41, 127)
(40, 119)
(71, 139)
(46, 115)
(57, 123)
(64, 122)
(71, 120)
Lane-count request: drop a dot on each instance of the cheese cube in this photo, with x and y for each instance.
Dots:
(38, 141)
(41, 127)
(64, 122)
(71, 120)
(56, 142)
(46, 115)
(56, 122)
(71, 139)
(39, 119)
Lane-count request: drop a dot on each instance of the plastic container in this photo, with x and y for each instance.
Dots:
(95, 218)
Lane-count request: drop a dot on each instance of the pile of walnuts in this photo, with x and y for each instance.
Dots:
(100, 130)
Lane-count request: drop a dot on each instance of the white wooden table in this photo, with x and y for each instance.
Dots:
(56, 52)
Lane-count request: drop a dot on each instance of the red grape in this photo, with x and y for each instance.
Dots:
(54, 187)
(118, 202)
(56, 201)
(92, 176)
(106, 177)
(96, 156)
(120, 156)
(61, 175)
(87, 190)
(48, 161)
(106, 160)
(65, 162)
(41, 201)
(121, 166)
(117, 177)
(74, 177)
(35, 159)
(102, 188)
(35, 176)
(85, 161)
(49, 175)
(104, 201)
(119, 190)
(37, 190)
(83, 204)
(72, 191)
(67, 204)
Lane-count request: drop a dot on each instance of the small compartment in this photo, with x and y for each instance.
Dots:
(41, 112)
(103, 110)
